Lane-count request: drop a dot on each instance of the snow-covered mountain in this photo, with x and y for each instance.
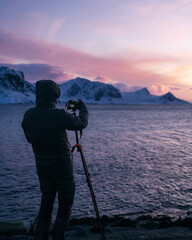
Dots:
(143, 96)
(14, 88)
(90, 92)
(97, 92)
(169, 98)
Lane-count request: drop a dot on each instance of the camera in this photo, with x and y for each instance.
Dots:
(72, 104)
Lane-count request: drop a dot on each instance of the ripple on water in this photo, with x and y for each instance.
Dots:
(139, 158)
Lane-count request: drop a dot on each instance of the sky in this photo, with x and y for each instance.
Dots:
(133, 43)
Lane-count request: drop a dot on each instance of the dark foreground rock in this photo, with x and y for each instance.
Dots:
(116, 228)
(12, 227)
(121, 233)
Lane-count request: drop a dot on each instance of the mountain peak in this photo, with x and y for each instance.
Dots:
(168, 96)
(144, 91)
(79, 79)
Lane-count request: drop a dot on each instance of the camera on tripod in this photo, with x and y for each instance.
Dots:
(72, 105)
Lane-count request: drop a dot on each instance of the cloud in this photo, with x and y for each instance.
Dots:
(102, 78)
(159, 89)
(55, 27)
(124, 88)
(35, 72)
(44, 60)
(68, 76)
(53, 60)
(175, 88)
(8, 60)
(73, 61)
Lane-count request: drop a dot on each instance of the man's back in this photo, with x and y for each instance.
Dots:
(45, 129)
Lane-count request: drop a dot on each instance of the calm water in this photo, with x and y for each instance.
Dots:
(139, 158)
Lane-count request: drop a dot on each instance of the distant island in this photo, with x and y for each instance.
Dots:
(15, 89)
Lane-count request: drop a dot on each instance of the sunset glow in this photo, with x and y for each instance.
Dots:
(139, 43)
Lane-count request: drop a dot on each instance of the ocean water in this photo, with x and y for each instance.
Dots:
(139, 158)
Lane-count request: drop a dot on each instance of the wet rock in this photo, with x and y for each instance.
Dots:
(12, 227)
(144, 217)
(150, 225)
(107, 220)
(162, 218)
(95, 229)
(77, 232)
(165, 224)
(187, 222)
(126, 223)
(82, 221)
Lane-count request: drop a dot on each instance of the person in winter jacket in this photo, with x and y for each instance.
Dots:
(45, 128)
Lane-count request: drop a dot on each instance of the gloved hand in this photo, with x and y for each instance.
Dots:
(80, 102)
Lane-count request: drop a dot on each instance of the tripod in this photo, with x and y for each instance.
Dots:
(80, 149)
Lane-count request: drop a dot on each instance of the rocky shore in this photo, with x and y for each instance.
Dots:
(116, 228)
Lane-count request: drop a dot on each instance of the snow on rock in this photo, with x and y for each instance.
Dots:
(90, 92)
(14, 88)
(143, 96)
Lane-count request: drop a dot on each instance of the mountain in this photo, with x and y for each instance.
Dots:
(90, 92)
(169, 98)
(14, 88)
(143, 96)
(101, 93)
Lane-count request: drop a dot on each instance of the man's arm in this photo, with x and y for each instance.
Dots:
(25, 131)
(77, 122)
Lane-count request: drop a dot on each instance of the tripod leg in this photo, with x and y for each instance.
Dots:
(91, 190)
(31, 229)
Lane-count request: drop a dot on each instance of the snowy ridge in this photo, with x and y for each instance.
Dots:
(15, 89)
(90, 92)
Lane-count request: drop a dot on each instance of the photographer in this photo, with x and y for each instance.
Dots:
(45, 128)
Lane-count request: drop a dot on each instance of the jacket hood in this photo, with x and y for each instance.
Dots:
(47, 92)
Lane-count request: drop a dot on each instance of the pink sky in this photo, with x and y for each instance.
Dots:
(146, 44)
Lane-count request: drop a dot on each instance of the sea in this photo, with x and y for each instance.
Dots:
(139, 158)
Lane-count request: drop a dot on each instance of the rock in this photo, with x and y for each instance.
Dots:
(187, 222)
(12, 227)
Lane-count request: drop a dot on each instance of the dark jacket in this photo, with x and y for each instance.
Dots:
(45, 126)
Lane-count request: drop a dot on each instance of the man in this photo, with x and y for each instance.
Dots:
(45, 128)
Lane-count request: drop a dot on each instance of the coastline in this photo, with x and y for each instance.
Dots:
(116, 228)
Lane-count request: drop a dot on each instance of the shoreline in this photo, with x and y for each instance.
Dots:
(116, 228)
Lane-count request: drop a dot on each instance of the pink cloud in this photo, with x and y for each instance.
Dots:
(159, 89)
(78, 63)
(124, 88)
(52, 61)
(9, 60)
(102, 78)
